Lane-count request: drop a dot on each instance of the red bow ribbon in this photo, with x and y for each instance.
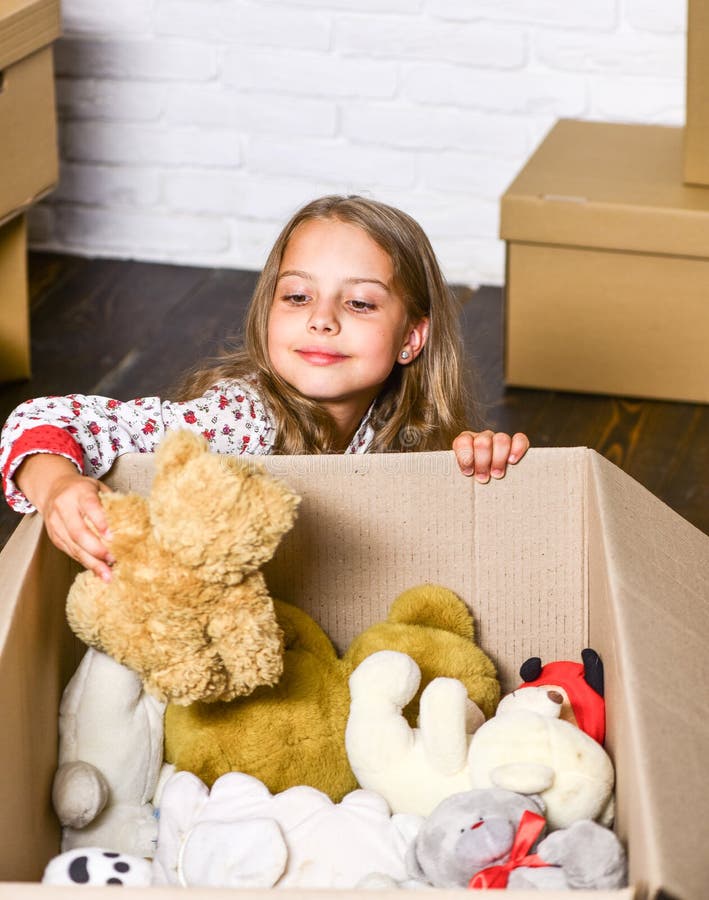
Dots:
(528, 830)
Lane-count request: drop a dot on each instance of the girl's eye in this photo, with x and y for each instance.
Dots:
(361, 305)
(296, 299)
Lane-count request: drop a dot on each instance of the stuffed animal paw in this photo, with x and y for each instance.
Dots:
(412, 768)
(591, 856)
(94, 866)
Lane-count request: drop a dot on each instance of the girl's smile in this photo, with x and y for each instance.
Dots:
(317, 356)
(338, 325)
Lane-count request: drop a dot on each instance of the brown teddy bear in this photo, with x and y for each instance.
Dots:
(187, 607)
(294, 733)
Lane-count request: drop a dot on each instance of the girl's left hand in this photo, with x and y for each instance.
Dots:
(487, 453)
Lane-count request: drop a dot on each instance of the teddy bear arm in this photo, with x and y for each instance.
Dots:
(248, 641)
(377, 736)
(591, 855)
(444, 713)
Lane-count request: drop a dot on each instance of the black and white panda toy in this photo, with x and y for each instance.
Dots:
(96, 866)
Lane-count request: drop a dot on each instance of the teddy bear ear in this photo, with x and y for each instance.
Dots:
(178, 447)
(531, 669)
(593, 670)
(433, 606)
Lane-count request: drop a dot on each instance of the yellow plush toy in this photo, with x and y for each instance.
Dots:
(293, 733)
(187, 607)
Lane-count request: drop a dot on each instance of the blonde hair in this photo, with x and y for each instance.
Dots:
(422, 406)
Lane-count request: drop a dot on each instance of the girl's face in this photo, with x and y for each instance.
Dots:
(337, 324)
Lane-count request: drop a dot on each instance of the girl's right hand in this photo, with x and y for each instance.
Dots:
(73, 515)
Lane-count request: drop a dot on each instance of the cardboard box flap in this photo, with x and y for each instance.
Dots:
(25, 26)
(660, 601)
(594, 184)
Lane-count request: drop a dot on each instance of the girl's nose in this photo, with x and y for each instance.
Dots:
(322, 319)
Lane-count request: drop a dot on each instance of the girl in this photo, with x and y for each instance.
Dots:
(351, 345)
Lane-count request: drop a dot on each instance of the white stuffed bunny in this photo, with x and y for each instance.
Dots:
(412, 768)
(110, 756)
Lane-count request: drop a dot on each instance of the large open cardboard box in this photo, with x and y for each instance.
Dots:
(607, 265)
(29, 159)
(565, 552)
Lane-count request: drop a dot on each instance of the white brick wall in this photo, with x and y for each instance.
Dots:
(191, 129)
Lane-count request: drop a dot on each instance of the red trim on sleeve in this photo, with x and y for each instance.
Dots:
(47, 439)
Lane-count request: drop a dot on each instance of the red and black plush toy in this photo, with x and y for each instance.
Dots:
(581, 686)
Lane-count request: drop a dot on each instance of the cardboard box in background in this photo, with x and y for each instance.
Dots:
(607, 283)
(29, 164)
(566, 552)
(696, 139)
(29, 161)
(14, 303)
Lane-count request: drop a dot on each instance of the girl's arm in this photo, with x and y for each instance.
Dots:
(487, 453)
(53, 450)
(91, 432)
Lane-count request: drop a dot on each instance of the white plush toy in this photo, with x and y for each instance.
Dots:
(110, 756)
(527, 748)
(241, 835)
(412, 768)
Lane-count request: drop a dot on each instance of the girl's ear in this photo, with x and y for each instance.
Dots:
(415, 341)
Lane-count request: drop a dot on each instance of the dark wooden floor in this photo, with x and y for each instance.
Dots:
(127, 329)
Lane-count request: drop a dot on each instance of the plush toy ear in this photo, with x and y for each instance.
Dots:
(593, 670)
(178, 447)
(433, 606)
(531, 669)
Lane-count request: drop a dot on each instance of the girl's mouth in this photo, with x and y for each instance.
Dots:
(320, 357)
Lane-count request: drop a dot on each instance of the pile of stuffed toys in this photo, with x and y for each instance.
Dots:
(211, 735)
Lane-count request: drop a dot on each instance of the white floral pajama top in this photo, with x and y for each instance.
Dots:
(93, 431)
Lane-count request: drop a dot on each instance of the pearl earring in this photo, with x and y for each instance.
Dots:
(404, 354)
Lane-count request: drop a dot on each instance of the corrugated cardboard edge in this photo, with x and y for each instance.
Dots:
(38, 891)
(26, 26)
(30, 620)
(663, 672)
(9, 890)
